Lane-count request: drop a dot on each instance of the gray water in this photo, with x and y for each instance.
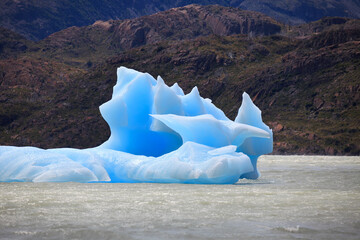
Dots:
(297, 197)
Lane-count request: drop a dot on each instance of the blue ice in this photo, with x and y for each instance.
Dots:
(158, 134)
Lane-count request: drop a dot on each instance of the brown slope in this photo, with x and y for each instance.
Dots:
(11, 44)
(104, 39)
(37, 19)
(30, 83)
(308, 94)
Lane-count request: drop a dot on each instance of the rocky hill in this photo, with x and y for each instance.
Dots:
(105, 38)
(37, 19)
(304, 78)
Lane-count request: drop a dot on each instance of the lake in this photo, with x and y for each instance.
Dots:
(296, 197)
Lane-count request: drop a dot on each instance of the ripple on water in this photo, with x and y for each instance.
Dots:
(295, 198)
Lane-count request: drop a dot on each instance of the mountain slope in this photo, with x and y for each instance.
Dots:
(11, 43)
(305, 80)
(104, 39)
(37, 19)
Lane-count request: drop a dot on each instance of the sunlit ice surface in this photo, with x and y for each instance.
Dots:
(158, 134)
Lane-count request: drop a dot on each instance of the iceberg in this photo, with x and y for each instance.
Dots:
(158, 134)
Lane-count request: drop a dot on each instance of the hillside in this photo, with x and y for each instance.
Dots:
(103, 39)
(37, 19)
(11, 43)
(305, 79)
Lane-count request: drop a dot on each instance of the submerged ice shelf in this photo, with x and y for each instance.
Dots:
(158, 134)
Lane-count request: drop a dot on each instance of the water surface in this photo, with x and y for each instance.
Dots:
(297, 197)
